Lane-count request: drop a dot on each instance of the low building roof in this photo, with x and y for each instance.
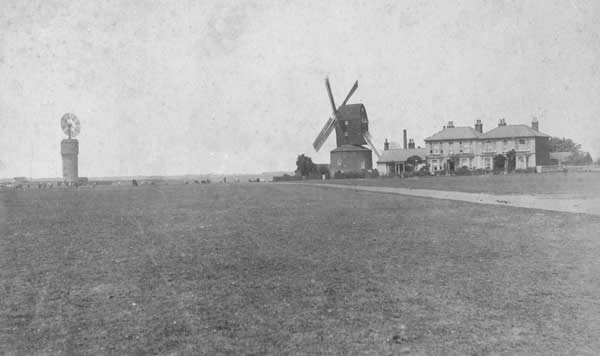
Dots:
(454, 133)
(401, 155)
(561, 156)
(508, 131)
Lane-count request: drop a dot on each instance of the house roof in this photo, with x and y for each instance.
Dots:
(561, 156)
(401, 155)
(454, 133)
(508, 131)
(348, 148)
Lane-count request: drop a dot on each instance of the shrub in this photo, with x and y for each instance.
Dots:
(287, 178)
(424, 171)
(480, 171)
(527, 170)
(372, 174)
(463, 171)
(356, 174)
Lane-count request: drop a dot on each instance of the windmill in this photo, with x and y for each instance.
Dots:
(69, 147)
(352, 132)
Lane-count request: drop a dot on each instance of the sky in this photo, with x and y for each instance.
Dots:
(191, 87)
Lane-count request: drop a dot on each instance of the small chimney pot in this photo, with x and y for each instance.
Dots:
(478, 126)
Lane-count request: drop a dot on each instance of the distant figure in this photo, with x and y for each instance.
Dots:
(224, 179)
(134, 182)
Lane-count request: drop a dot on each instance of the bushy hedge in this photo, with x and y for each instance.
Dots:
(480, 171)
(286, 178)
(356, 174)
(526, 170)
(463, 171)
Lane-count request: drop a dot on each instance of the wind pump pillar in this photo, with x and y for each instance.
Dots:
(69, 150)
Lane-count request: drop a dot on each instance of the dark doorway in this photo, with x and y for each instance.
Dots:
(451, 165)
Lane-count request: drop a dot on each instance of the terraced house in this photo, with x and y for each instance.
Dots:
(470, 147)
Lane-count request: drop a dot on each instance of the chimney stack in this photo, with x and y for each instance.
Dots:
(411, 144)
(478, 126)
(535, 124)
(502, 122)
(386, 145)
(450, 124)
(405, 144)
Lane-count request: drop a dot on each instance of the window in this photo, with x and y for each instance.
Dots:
(435, 164)
(489, 147)
(451, 147)
(521, 163)
(436, 148)
(339, 162)
(523, 145)
(464, 162)
(487, 163)
(346, 133)
(505, 145)
(466, 147)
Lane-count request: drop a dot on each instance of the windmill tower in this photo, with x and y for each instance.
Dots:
(69, 147)
(352, 132)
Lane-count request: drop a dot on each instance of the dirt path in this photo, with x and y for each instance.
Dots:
(543, 202)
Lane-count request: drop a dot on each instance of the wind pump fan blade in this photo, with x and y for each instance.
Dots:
(70, 125)
(352, 90)
(324, 134)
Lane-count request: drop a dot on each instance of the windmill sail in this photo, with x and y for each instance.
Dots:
(328, 86)
(352, 90)
(324, 134)
(330, 124)
(369, 140)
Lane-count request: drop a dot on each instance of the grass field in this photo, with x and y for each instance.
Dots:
(277, 268)
(571, 185)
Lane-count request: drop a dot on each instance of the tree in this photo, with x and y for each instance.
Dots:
(323, 169)
(511, 157)
(499, 161)
(580, 159)
(563, 145)
(413, 161)
(305, 166)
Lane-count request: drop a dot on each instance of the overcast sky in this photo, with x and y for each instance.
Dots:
(173, 87)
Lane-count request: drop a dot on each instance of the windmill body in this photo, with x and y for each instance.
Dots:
(69, 148)
(351, 125)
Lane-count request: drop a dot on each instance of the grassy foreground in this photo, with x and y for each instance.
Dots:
(273, 268)
(579, 185)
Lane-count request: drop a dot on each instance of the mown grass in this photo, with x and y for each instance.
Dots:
(270, 268)
(570, 185)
